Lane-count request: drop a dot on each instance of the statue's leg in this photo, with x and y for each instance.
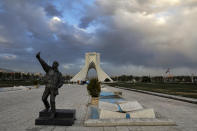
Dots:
(44, 98)
(52, 102)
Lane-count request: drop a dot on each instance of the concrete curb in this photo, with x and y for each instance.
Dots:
(129, 122)
(179, 98)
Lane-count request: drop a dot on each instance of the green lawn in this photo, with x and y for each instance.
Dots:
(186, 90)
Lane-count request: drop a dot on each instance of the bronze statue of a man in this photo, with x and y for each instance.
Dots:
(53, 81)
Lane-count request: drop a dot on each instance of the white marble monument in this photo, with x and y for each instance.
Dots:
(105, 114)
(92, 60)
(108, 106)
(130, 106)
(144, 113)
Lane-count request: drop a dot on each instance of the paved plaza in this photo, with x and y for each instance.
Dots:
(19, 109)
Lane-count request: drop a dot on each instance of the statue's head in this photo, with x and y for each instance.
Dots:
(55, 65)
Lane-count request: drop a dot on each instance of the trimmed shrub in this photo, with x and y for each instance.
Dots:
(35, 82)
(94, 88)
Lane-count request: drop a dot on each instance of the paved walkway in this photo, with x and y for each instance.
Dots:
(19, 109)
(183, 113)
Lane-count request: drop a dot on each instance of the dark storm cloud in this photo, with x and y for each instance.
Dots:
(139, 34)
(52, 10)
(125, 48)
(85, 21)
(26, 29)
(144, 36)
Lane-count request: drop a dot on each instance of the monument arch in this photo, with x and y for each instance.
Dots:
(92, 60)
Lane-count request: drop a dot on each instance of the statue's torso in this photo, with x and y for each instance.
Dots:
(52, 78)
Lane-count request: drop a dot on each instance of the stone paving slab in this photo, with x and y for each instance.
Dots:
(19, 109)
(110, 129)
(182, 113)
(28, 103)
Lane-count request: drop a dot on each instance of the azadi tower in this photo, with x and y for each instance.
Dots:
(92, 60)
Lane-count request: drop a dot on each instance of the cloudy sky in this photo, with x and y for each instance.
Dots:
(138, 37)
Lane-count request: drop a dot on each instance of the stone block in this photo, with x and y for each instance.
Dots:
(55, 121)
(144, 113)
(130, 106)
(63, 118)
(108, 106)
(105, 89)
(105, 114)
(119, 93)
(60, 113)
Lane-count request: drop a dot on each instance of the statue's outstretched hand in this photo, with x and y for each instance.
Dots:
(38, 55)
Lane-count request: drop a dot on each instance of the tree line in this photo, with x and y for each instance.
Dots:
(148, 79)
(9, 79)
(25, 76)
(20, 76)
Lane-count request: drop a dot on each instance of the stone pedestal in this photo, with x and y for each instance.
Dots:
(63, 117)
(94, 100)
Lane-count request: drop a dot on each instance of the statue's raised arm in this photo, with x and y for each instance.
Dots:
(45, 66)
